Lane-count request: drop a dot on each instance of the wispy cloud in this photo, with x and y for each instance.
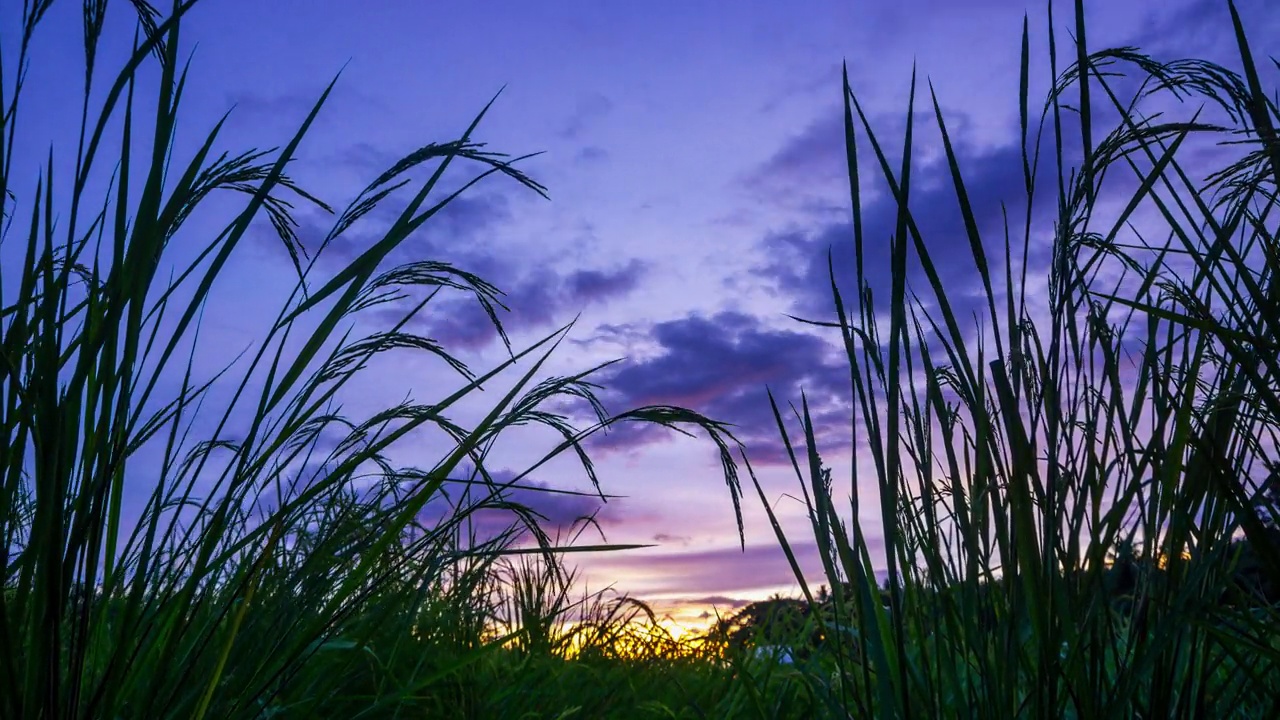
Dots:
(812, 157)
(290, 107)
(591, 154)
(589, 108)
(538, 299)
(719, 572)
(556, 510)
(467, 233)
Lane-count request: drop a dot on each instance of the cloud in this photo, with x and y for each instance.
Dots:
(557, 511)
(814, 156)
(720, 366)
(625, 437)
(538, 295)
(292, 107)
(796, 259)
(622, 335)
(590, 107)
(1203, 29)
(539, 299)
(366, 157)
(803, 86)
(591, 154)
(810, 171)
(599, 285)
(722, 572)
(466, 216)
(718, 600)
(448, 236)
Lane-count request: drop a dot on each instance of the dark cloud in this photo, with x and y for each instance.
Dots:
(291, 108)
(557, 511)
(804, 85)
(534, 302)
(627, 436)
(814, 156)
(720, 366)
(457, 324)
(560, 511)
(448, 236)
(796, 262)
(467, 216)
(539, 299)
(590, 107)
(1203, 29)
(367, 157)
(592, 153)
(598, 285)
(810, 170)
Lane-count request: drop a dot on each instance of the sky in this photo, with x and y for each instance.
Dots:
(693, 156)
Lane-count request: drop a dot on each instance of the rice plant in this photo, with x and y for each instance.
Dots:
(1068, 485)
(241, 547)
(1078, 492)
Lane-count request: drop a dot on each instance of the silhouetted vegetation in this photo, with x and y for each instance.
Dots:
(1078, 492)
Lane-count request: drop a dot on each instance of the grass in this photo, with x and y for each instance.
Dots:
(280, 563)
(1127, 420)
(1073, 491)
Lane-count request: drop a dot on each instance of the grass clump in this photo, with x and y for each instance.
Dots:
(240, 548)
(1076, 491)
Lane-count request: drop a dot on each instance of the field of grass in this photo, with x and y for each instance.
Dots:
(1078, 490)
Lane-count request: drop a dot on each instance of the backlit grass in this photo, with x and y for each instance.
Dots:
(1073, 489)
(1061, 483)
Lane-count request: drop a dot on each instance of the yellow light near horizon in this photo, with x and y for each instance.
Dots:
(680, 630)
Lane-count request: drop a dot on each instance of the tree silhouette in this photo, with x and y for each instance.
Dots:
(779, 621)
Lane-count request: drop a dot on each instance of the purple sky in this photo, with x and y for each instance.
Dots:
(694, 159)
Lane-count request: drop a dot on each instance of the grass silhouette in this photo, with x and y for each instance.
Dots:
(1076, 492)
